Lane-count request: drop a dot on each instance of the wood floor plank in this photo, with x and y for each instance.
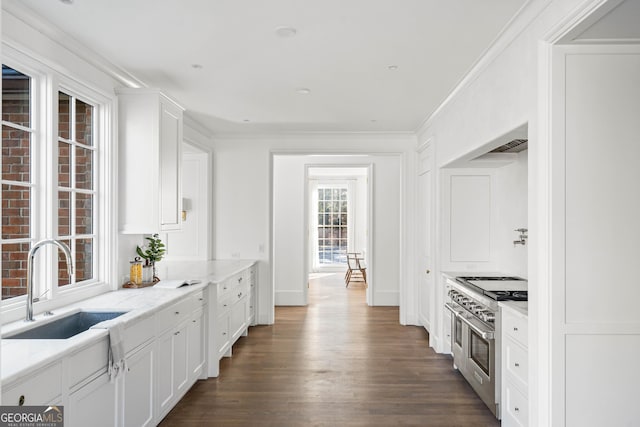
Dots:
(336, 362)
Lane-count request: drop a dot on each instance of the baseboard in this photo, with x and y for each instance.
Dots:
(424, 321)
(289, 298)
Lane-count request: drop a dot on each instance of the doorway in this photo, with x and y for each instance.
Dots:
(338, 220)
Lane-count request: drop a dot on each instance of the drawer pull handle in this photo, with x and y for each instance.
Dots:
(177, 333)
(21, 400)
(517, 365)
(225, 288)
(515, 329)
(224, 333)
(239, 279)
(177, 312)
(240, 294)
(224, 305)
(516, 409)
(200, 299)
(193, 321)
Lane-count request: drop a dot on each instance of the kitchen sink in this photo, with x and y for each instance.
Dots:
(68, 326)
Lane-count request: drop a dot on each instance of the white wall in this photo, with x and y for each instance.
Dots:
(290, 236)
(511, 193)
(242, 183)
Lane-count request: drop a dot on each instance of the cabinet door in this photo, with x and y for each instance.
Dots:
(164, 372)
(180, 362)
(239, 318)
(196, 345)
(93, 404)
(137, 399)
(170, 167)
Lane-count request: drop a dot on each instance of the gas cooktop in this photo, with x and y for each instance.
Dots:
(499, 288)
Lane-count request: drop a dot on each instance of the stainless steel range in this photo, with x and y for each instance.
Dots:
(475, 329)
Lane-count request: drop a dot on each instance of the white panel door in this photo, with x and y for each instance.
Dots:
(425, 243)
(595, 201)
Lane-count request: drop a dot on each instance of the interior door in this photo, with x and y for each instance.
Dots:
(426, 295)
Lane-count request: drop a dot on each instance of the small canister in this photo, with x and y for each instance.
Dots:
(135, 271)
(147, 273)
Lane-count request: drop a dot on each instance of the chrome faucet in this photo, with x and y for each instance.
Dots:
(30, 257)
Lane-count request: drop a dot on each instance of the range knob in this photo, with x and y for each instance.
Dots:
(464, 300)
(489, 317)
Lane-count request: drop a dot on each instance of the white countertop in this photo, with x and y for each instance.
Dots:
(521, 307)
(21, 356)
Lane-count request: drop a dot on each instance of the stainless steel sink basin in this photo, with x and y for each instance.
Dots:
(68, 326)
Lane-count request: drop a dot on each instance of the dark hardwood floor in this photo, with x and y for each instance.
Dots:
(336, 362)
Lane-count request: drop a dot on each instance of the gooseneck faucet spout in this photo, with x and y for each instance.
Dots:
(32, 253)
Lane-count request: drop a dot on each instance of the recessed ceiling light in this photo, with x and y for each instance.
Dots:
(392, 67)
(197, 66)
(67, 1)
(286, 32)
(246, 120)
(303, 91)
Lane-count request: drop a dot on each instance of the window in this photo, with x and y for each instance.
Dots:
(76, 194)
(50, 183)
(17, 180)
(332, 225)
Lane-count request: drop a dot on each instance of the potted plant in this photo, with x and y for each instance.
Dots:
(152, 252)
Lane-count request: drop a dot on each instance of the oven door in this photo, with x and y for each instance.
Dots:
(480, 360)
(457, 337)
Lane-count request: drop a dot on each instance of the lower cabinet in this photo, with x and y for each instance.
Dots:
(196, 346)
(138, 388)
(93, 404)
(43, 387)
(515, 368)
(172, 370)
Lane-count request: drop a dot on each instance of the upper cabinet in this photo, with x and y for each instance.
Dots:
(150, 158)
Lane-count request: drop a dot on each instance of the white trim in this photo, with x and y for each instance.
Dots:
(288, 298)
(528, 13)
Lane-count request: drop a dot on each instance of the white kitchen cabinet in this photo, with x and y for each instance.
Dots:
(174, 345)
(515, 367)
(93, 404)
(196, 345)
(232, 310)
(92, 396)
(138, 388)
(150, 158)
(43, 387)
(253, 296)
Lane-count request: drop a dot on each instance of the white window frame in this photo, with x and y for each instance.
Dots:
(47, 81)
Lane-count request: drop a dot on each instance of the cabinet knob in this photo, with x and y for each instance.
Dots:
(224, 333)
(224, 305)
(515, 329)
(177, 333)
(200, 299)
(428, 271)
(240, 294)
(193, 321)
(177, 312)
(21, 400)
(239, 279)
(517, 365)
(516, 409)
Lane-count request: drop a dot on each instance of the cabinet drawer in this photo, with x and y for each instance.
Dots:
(138, 333)
(198, 299)
(515, 327)
(517, 362)
(88, 362)
(224, 305)
(173, 315)
(230, 284)
(43, 388)
(516, 411)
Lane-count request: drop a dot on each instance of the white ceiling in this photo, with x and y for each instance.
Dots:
(249, 75)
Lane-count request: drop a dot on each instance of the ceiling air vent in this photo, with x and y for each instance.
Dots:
(515, 146)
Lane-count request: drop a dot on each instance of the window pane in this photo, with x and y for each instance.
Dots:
(64, 164)
(64, 213)
(84, 123)
(16, 99)
(14, 269)
(15, 211)
(64, 115)
(84, 259)
(63, 276)
(16, 154)
(343, 194)
(84, 213)
(84, 168)
(336, 194)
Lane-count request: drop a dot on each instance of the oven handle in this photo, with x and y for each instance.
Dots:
(487, 335)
